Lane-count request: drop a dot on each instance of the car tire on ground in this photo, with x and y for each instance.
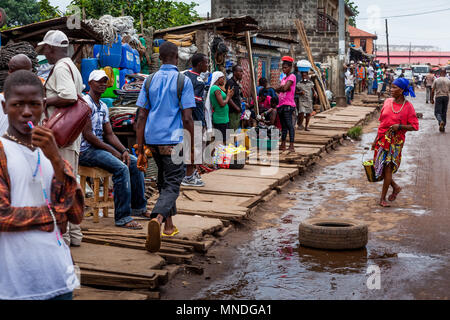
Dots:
(333, 234)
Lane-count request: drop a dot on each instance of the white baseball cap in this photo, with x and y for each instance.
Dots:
(55, 38)
(97, 75)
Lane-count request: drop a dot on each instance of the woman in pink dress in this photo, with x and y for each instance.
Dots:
(397, 117)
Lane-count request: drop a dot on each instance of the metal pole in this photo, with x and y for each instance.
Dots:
(387, 44)
(340, 96)
(410, 53)
(252, 71)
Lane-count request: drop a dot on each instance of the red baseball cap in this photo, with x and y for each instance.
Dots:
(287, 58)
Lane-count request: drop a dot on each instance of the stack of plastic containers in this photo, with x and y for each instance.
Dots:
(87, 66)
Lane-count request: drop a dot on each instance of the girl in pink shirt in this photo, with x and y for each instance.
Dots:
(287, 104)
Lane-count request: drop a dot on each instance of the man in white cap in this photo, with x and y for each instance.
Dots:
(101, 148)
(63, 86)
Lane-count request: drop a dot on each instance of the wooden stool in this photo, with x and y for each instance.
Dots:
(94, 203)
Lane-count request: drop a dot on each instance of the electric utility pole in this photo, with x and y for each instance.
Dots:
(387, 44)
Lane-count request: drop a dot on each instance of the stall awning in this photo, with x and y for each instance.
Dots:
(35, 32)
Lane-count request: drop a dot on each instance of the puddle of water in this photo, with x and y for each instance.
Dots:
(274, 266)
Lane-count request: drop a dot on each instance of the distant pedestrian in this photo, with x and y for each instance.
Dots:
(349, 84)
(380, 80)
(370, 77)
(234, 104)
(441, 90)
(397, 117)
(287, 103)
(306, 95)
(161, 119)
(360, 75)
(429, 79)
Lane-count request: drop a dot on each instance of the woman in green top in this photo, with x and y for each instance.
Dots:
(218, 100)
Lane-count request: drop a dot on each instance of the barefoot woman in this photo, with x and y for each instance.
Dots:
(397, 117)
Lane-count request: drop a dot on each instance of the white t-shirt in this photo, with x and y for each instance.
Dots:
(371, 72)
(349, 79)
(3, 117)
(33, 266)
(99, 117)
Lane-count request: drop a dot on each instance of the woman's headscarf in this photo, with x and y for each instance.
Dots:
(403, 84)
(208, 109)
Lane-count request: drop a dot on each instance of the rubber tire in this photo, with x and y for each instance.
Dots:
(354, 236)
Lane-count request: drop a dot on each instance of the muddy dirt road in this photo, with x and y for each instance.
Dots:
(408, 243)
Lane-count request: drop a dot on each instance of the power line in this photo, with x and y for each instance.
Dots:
(408, 15)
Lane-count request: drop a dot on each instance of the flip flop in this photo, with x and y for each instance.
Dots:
(133, 225)
(175, 232)
(394, 195)
(384, 204)
(153, 243)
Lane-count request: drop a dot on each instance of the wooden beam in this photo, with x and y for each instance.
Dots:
(78, 52)
(252, 71)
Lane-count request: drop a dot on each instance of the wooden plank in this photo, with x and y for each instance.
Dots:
(88, 293)
(210, 207)
(114, 280)
(195, 196)
(281, 174)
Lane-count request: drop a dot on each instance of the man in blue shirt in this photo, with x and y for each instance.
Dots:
(161, 119)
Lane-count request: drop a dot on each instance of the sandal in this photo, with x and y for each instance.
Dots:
(175, 232)
(394, 195)
(133, 225)
(384, 204)
(153, 242)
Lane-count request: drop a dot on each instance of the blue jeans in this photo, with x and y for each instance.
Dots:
(440, 109)
(285, 113)
(129, 186)
(369, 86)
(348, 93)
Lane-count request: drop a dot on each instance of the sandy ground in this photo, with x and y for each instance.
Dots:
(262, 259)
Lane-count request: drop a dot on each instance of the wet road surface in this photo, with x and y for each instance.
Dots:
(408, 243)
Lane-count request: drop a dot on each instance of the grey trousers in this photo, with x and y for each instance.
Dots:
(428, 94)
(73, 234)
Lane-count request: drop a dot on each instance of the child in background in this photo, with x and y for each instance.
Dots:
(38, 196)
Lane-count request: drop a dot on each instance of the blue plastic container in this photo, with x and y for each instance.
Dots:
(158, 42)
(123, 73)
(109, 56)
(87, 66)
(137, 61)
(108, 101)
(127, 61)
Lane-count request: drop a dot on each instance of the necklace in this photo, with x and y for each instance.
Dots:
(396, 112)
(16, 140)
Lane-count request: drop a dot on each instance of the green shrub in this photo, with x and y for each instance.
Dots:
(355, 133)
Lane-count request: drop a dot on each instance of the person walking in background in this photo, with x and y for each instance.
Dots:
(307, 93)
(380, 80)
(217, 101)
(370, 77)
(63, 86)
(396, 118)
(441, 89)
(199, 65)
(349, 84)
(161, 119)
(234, 104)
(360, 75)
(429, 79)
(287, 103)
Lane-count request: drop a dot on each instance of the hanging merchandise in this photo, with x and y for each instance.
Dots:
(110, 27)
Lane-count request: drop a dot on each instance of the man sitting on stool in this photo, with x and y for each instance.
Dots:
(101, 148)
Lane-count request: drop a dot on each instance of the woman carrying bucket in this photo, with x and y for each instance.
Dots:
(397, 116)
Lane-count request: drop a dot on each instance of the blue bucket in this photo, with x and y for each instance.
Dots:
(137, 61)
(109, 56)
(127, 61)
(87, 66)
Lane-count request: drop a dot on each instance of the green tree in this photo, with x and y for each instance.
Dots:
(159, 14)
(47, 11)
(354, 7)
(20, 12)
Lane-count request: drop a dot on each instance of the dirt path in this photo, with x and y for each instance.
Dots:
(408, 242)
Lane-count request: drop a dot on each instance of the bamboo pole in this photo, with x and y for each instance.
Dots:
(321, 88)
(252, 71)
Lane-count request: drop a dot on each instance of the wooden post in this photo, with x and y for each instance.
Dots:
(252, 71)
(321, 88)
(142, 23)
(84, 13)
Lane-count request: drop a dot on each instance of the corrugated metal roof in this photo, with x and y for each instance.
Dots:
(358, 33)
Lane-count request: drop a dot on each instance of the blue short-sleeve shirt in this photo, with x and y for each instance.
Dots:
(164, 124)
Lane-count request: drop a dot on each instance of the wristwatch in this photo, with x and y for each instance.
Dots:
(126, 150)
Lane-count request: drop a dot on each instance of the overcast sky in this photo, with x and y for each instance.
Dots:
(426, 29)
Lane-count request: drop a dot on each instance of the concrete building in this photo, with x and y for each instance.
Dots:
(276, 18)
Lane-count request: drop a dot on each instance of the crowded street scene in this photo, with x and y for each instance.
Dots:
(246, 152)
